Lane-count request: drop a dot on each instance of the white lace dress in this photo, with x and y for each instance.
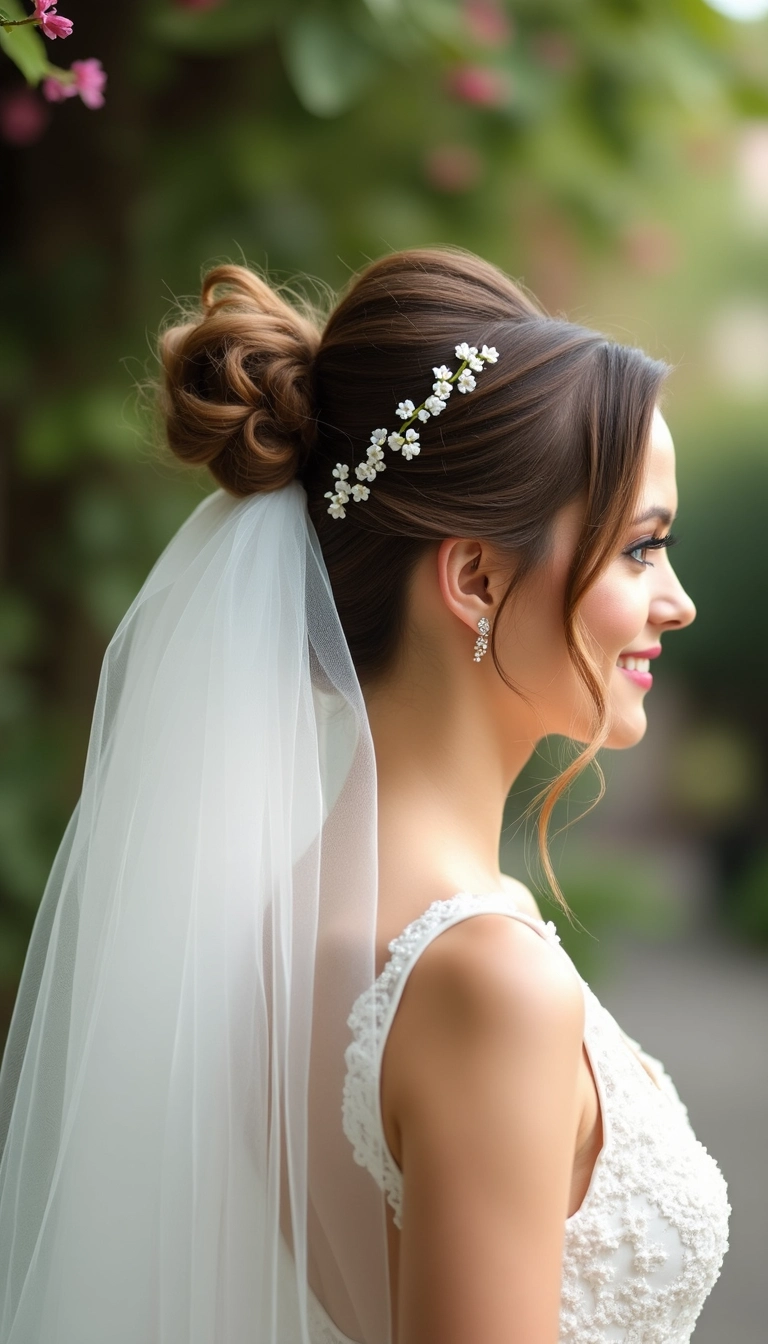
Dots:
(644, 1249)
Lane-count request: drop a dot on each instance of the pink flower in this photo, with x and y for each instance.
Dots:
(56, 91)
(23, 118)
(88, 80)
(478, 84)
(52, 24)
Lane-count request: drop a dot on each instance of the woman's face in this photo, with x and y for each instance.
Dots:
(636, 600)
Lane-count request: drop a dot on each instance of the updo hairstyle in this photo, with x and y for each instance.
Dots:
(262, 392)
(237, 392)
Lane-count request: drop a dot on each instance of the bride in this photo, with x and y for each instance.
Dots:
(292, 1061)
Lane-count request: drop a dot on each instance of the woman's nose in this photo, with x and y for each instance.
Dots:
(671, 607)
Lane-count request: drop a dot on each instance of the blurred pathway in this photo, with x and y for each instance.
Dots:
(701, 1005)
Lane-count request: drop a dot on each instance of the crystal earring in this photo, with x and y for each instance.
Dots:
(481, 643)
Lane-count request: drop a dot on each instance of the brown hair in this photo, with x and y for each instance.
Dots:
(254, 389)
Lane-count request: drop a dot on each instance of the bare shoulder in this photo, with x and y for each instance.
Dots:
(488, 993)
(491, 970)
(480, 1102)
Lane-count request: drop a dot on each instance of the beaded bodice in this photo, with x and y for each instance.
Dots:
(646, 1245)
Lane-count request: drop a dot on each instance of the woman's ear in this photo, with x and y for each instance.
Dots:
(468, 579)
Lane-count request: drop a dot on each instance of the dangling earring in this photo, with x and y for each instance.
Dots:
(481, 643)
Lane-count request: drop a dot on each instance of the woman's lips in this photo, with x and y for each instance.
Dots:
(643, 679)
(634, 664)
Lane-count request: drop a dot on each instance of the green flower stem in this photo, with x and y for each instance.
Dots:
(453, 379)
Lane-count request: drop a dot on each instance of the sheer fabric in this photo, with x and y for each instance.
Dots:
(174, 1169)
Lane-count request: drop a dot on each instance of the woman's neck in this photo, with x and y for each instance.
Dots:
(443, 773)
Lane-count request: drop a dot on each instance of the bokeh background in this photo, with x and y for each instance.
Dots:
(612, 154)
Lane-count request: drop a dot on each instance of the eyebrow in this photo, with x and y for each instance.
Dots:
(655, 511)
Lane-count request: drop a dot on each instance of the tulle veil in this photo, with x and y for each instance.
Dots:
(174, 1169)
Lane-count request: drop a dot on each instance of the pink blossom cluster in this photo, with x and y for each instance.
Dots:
(88, 80)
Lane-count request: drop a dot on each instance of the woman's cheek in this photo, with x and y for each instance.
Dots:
(615, 612)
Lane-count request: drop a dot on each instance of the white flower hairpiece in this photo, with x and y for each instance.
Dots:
(406, 439)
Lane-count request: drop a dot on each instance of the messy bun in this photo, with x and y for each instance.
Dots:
(236, 390)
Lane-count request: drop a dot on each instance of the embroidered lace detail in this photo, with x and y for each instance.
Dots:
(644, 1249)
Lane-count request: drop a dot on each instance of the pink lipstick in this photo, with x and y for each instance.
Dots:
(634, 664)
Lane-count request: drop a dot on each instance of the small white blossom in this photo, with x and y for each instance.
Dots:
(407, 442)
(336, 506)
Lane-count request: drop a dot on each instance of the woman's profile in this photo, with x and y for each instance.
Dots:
(292, 1061)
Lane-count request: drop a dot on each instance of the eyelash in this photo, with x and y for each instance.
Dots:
(651, 544)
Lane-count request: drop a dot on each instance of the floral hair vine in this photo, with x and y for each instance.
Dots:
(406, 439)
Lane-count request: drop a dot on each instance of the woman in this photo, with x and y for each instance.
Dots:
(292, 1059)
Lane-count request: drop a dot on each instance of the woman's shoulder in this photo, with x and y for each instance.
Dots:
(485, 982)
(464, 948)
(492, 1017)
(490, 967)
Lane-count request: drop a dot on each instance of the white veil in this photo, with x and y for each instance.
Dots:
(173, 1166)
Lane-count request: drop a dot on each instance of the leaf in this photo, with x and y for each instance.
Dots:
(24, 46)
(328, 64)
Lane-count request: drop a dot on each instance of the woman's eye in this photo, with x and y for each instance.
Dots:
(637, 552)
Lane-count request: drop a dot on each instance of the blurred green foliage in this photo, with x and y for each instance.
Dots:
(583, 147)
(748, 907)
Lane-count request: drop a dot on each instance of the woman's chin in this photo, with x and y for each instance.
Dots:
(627, 728)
